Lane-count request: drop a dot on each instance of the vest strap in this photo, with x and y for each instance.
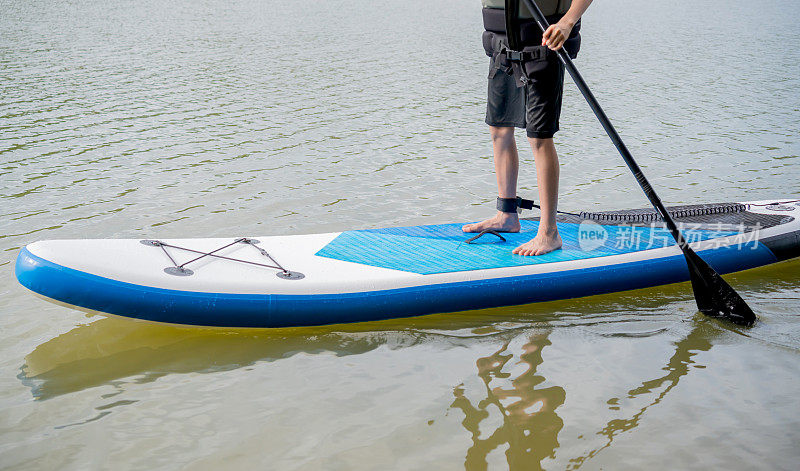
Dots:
(514, 62)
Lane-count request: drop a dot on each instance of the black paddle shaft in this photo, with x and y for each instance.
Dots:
(713, 295)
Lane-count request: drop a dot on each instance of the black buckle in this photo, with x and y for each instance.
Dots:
(514, 55)
(525, 204)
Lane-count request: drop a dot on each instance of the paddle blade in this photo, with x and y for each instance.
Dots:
(714, 296)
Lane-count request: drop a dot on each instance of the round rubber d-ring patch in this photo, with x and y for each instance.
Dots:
(178, 271)
(290, 275)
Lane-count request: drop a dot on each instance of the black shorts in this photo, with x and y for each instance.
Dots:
(536, 106)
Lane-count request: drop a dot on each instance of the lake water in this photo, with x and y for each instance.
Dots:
(213, 118)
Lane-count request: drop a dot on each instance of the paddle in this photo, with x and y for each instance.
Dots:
(714, 296)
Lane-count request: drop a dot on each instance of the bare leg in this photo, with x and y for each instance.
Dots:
(506, 167)
(547, 173)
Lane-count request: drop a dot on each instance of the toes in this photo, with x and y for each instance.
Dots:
(522, 250)
(533, 248)
(528, 251)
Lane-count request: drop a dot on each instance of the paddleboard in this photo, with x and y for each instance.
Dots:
(364, 275)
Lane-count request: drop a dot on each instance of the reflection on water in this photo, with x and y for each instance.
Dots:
(678, 366)
(110, 349)
(529, 425)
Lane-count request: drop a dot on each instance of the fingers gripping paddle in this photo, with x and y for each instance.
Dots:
(714, 296)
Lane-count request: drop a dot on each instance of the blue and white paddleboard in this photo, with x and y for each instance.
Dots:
(364, 275)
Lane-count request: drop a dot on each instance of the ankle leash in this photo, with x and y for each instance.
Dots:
(511, 205)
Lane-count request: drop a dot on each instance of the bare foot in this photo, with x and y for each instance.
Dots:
(544, 242)
(501, 222)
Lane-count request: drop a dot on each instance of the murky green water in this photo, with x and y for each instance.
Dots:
(212, 118)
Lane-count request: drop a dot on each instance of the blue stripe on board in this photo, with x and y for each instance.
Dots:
(441, 249)
(258, 310)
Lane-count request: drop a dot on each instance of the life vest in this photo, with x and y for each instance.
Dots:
(514, 42)
(548, 7)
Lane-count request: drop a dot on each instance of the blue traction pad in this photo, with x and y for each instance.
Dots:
(441, 249)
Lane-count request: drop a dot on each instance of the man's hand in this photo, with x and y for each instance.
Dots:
(557, 34)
